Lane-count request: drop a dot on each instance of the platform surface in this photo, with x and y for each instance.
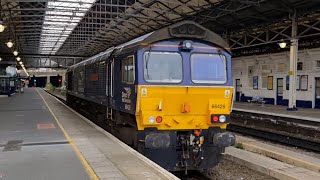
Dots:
(33, 146)
(275, 110)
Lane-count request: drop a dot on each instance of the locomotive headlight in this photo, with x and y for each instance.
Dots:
(187, 45)
(151, 119)
(222, 118)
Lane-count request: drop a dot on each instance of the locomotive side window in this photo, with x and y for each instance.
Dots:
(163, 67)
(128, 69)
(208, 68)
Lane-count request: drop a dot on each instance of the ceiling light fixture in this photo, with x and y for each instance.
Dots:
(282, 44)
(15, 53)
(9, 44)
(18, 58)
(1, 27)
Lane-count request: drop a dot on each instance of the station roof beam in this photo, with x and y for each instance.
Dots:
(86, 27)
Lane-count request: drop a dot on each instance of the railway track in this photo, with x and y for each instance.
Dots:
(58, 97)
(294, 132)
(192, 175)
(282, 138)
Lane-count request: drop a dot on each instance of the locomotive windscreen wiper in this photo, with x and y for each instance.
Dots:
(147, 62)
(222, 57)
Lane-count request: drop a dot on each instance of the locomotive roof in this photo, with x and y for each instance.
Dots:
(158, 35)
(109, 51)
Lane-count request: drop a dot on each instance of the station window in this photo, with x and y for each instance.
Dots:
(318, 63)
(300, 66)
(281, 67)
(250, 70)
(265, 70)
(128, 69)
(264, 82)
(250, 82)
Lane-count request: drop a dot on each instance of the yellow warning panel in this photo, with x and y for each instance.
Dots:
(46, 126)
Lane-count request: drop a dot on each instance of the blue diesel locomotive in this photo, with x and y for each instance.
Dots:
(167, 93)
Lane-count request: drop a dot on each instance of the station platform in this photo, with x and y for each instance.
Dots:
(42, 139)
(307, 114)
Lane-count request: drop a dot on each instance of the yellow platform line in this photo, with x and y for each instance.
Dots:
(84, 162)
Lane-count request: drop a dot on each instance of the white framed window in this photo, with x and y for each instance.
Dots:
(299, 66)
(264, 82)
(265, 70)
(250, 71)
(208, 68)
(281, 67)
(162, 67)
(317, 64)
(127, 69)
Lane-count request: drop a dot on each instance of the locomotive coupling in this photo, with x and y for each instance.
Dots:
(224, 139)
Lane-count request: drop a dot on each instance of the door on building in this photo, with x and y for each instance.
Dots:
(279, 91)
(238, 90)
(317, 88)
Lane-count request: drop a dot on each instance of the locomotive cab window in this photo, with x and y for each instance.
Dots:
(162, 67)
(128, 69)
(208, 68)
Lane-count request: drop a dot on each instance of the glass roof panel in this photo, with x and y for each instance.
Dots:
(61, 18)
(58, 13)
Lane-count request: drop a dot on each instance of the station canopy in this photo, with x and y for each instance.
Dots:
(82, 28)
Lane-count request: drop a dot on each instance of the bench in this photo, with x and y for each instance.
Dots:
(257, 99)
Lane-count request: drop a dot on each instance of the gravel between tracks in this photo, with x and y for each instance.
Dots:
(228, 170)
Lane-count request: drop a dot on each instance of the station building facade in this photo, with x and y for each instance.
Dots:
(266, 77)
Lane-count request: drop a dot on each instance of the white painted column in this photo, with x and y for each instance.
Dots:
(63, 79)
(48, 79)
(293, 65)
